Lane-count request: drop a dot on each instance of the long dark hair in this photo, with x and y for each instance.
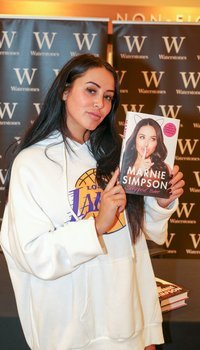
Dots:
(105, 142)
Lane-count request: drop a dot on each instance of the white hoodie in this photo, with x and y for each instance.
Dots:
(74, 291)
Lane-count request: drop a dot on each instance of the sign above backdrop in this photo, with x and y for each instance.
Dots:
(114, 12)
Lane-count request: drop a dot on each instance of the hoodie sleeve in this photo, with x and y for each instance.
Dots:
(32, 240)
(156, 220)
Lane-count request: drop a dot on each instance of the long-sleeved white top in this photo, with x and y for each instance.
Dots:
(74, 291)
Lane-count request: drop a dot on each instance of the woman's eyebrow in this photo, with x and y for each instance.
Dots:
(92, 82)
(143, 134)
(97, 85)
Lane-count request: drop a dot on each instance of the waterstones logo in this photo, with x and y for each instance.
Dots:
(197, 178)
(25, 77)
(170, 110)
(6, 42)
(7, 38)
(184, 210)
(173, 43)
(195, 239)
(121, 75)
(169, 239)
(136, 42)
(187, 146)
(190, 78)
(44, 42)
(168, 243)
(132, 107)
(134, 45)
(190, 82)
(7, 110)
(152, 79)
(45, 38)
(85, 40)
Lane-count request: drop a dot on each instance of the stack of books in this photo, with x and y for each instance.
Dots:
(171, 295)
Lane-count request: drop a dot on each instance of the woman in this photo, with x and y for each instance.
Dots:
(80, 276)
(144, 160)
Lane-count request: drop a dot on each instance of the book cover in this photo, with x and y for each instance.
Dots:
(148, 153)
(170, 293)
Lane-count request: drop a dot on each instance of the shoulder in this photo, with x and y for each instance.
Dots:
(39, 152)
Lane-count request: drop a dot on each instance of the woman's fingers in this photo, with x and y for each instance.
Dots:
(113, 202)
(113, 180)
(176, 187)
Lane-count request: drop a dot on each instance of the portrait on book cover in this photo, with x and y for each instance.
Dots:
(144, 166)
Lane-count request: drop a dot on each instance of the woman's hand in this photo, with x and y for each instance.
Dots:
(176, 189)
(113, 202)
(142, 163)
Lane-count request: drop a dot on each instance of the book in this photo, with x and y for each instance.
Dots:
(171, 295)
(173, 306)
(148, 153)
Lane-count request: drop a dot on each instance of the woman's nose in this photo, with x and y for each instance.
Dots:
(98, 103)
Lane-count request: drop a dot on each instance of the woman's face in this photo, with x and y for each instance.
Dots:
(88, 101)
(146, 141)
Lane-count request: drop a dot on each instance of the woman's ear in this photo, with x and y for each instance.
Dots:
(64, 96)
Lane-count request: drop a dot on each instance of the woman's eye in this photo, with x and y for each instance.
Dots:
(91, 91)
(109, 98)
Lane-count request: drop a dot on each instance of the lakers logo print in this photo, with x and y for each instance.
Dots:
(89, 196)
